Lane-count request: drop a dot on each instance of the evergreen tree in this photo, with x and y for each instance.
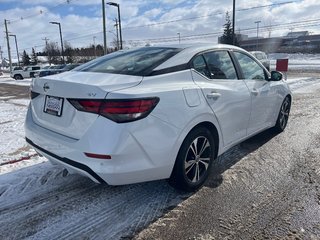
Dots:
(227, 37)
(25, 58)
(34, 57)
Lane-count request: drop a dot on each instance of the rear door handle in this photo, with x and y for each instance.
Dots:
(213, 95)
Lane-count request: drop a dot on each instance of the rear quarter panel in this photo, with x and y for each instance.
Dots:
(181, 108)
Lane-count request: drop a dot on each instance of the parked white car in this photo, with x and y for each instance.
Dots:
(27, 72)
(154, 112)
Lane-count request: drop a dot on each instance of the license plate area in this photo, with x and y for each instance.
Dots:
(53, 105)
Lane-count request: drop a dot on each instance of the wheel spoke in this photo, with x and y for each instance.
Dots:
(193, 147)
(205, 162)
(204, 146)
(196, 176)
(188, 164)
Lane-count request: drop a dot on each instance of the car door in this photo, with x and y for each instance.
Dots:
(228, 97)
(263, 92)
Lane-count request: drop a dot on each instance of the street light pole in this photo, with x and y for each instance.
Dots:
(233, 22)
(15, 38)
(119, 18)
(105, 48)
(257, 22)
(62, 54)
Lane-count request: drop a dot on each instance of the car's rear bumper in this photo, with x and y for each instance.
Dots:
(134, 158)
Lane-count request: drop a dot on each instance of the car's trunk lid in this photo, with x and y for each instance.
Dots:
(52, 110)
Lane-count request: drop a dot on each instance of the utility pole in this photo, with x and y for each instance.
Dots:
(15, 39)
(1, 54)
(0, 57)
(104, 28)
(8, 44)
(94, 46)
(257, 22)
(46, 40)
(233, 22)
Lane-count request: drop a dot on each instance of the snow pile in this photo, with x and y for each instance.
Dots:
(13, 147)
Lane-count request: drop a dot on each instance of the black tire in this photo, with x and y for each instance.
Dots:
(18, 77)
(283, 116)
(197, 151)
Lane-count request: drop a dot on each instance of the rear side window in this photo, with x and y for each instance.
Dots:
(215, 65)
(250, 68)
(200, 66)
(139, 62)
(220, 65)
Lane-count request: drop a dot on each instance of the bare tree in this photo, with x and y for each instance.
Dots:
(69, 52)
(53, 52)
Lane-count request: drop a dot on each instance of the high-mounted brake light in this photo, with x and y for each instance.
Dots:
(117, 110)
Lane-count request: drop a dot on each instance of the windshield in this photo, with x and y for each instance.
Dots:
(139, 62)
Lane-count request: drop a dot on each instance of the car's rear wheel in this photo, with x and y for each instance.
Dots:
(18, 77)
(283, 115)
(194, 160)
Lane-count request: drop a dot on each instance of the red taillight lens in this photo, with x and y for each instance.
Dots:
(118, 110)
(84, 105)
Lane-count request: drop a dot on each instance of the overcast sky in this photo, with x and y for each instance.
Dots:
(143, 21)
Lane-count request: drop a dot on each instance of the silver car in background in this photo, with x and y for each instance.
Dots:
(263, 58)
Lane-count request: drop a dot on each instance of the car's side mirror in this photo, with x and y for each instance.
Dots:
(276, 76)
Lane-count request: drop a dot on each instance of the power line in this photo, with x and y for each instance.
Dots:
(184, 19)
(208, 15)
(304, 23)
(40, 12)
(178, 20)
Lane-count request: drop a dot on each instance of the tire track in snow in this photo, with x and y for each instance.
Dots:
(33, 200)
(117, 210)
(86, 210)
(29, 217)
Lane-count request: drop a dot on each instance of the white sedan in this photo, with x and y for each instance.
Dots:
(154, 112)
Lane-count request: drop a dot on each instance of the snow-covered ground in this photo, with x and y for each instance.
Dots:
(297, 60)
(5, 78)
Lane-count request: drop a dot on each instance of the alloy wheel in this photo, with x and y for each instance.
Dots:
(284, 113)
(197, 159)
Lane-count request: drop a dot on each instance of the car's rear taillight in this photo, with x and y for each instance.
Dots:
(117, 110)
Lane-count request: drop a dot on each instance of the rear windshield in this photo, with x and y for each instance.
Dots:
(139, 62)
